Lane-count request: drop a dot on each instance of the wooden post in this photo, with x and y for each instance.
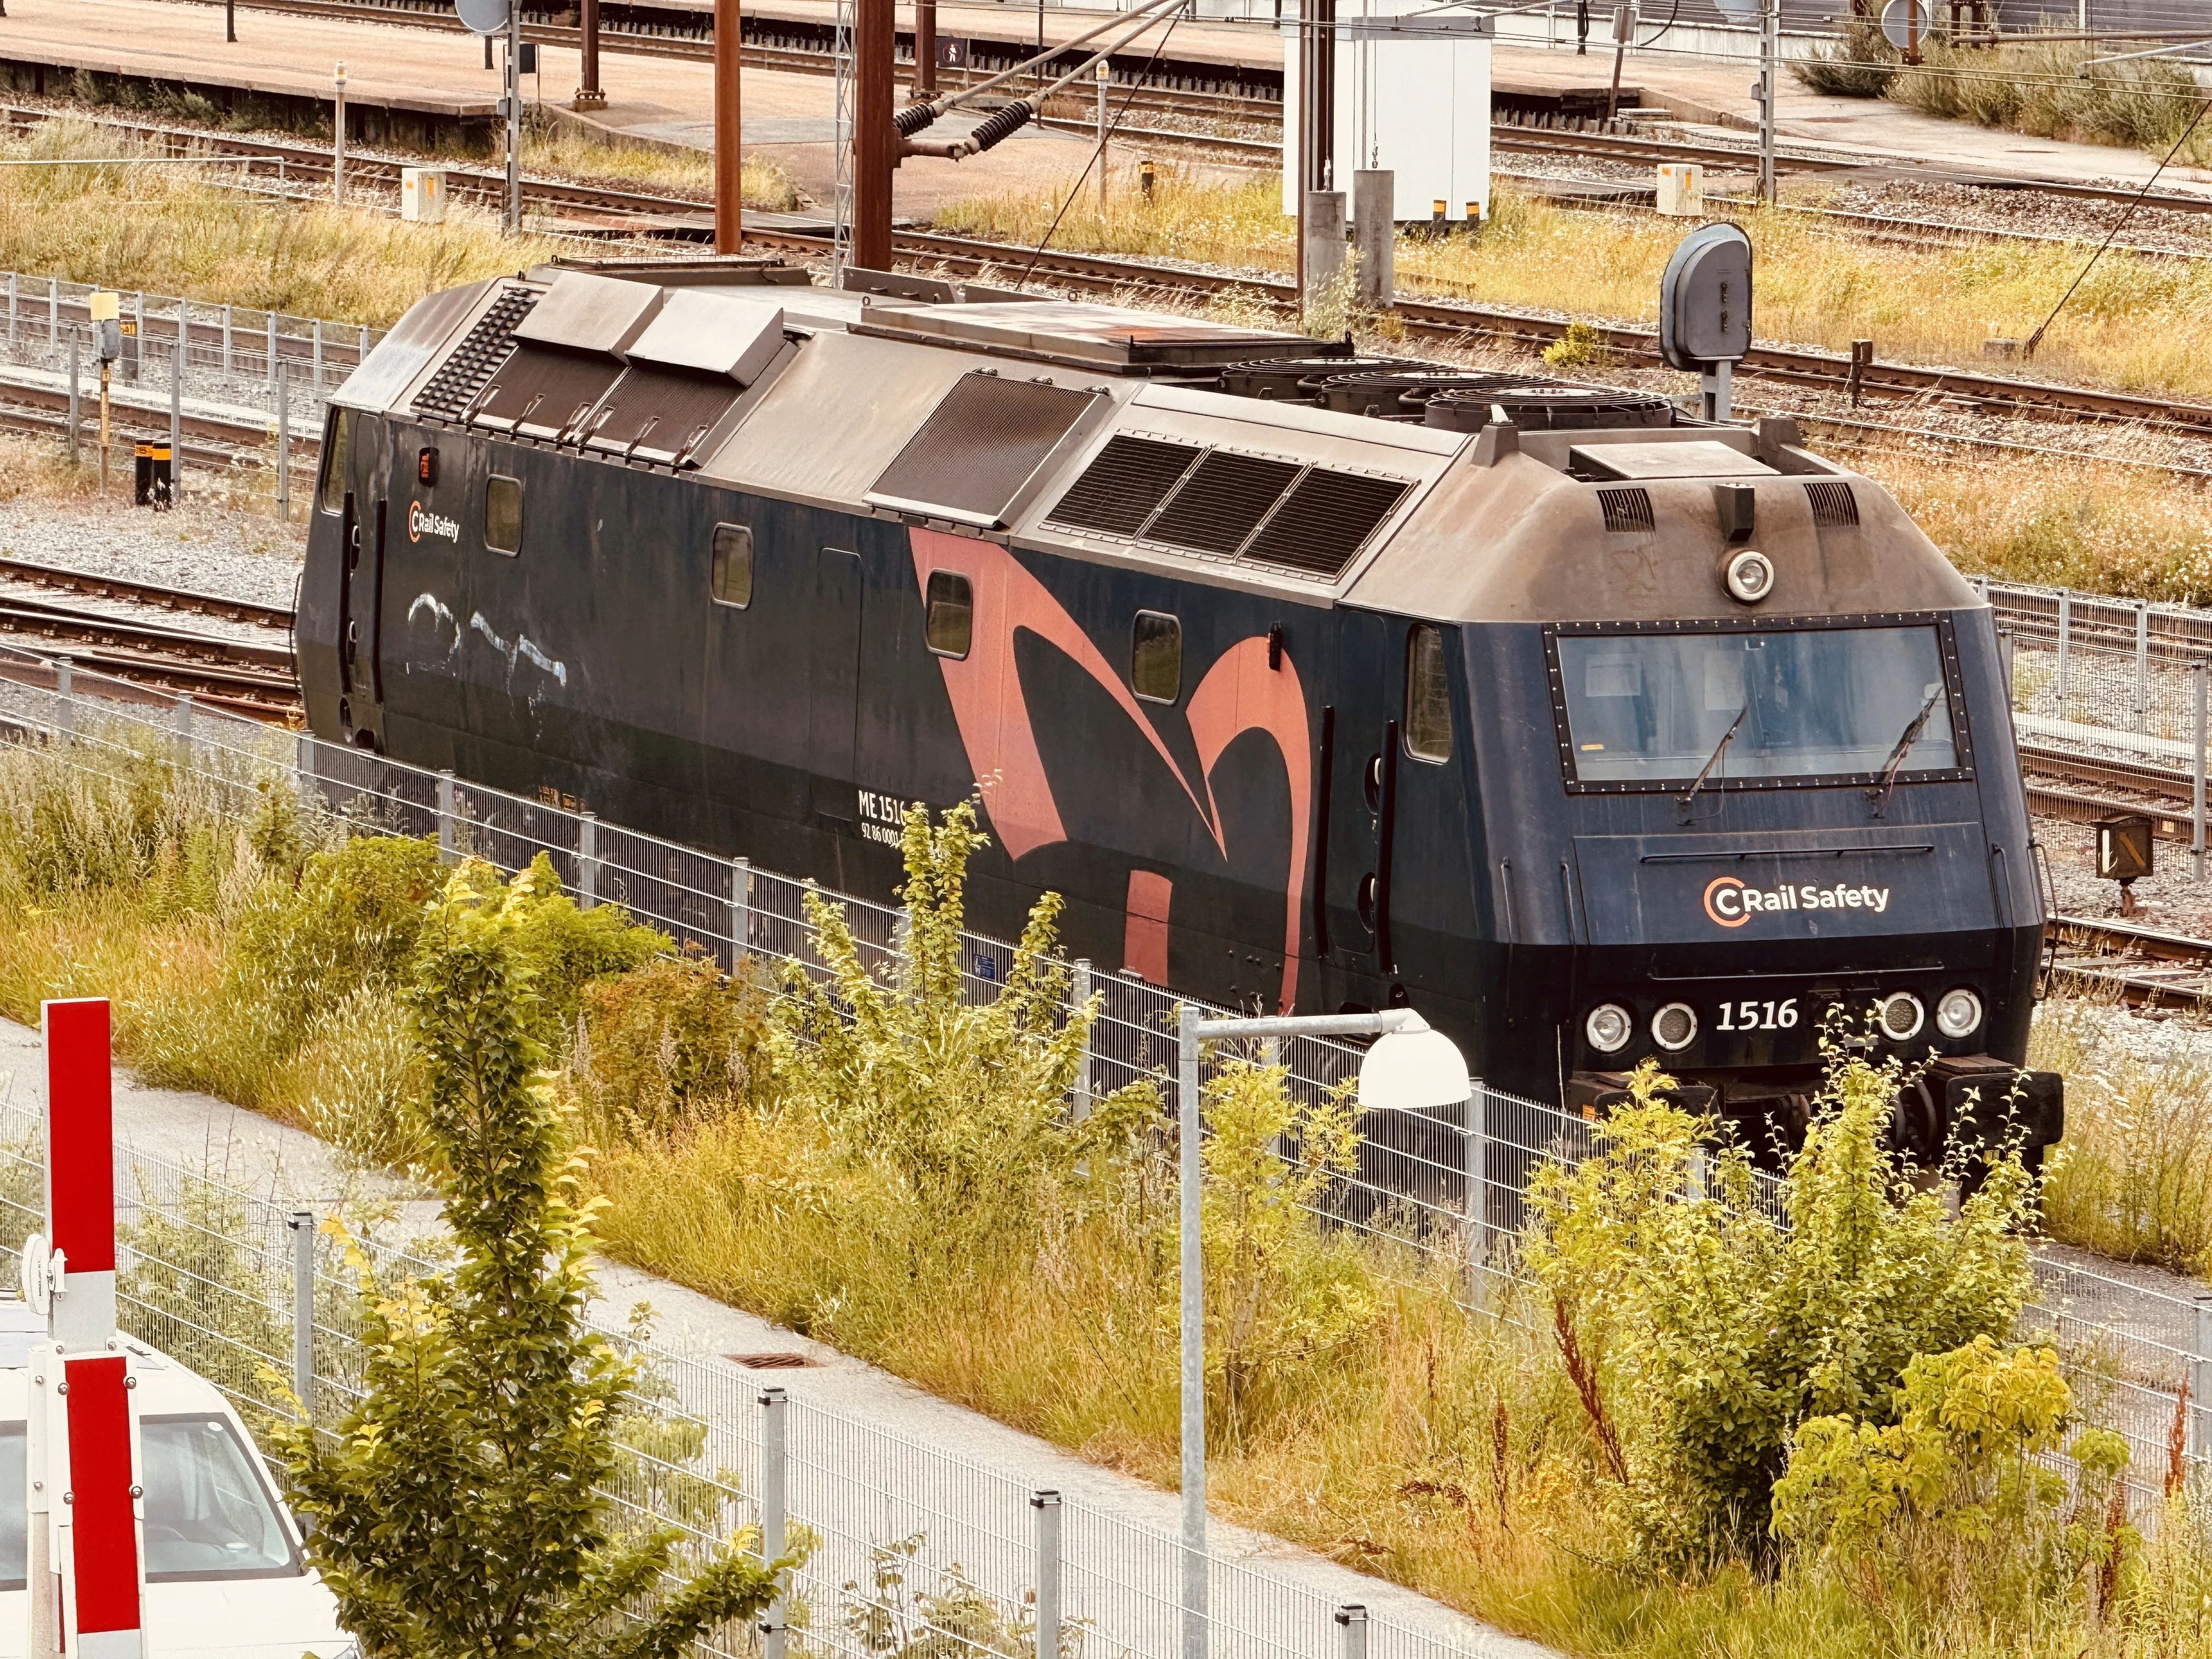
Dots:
(875, 152)
(729, 157)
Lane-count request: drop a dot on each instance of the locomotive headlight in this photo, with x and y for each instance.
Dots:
(1900, 1016)
(1674, 1027)
(1958, 1012)
(1607, 1027)
(1748, 575)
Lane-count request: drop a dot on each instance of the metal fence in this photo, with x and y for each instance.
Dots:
(1444, 1197)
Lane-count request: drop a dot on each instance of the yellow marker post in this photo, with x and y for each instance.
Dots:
(106, 313)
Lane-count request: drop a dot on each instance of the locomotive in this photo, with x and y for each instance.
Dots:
(1593, 731)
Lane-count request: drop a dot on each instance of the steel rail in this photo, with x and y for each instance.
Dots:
(150, 595)
(2147, 967)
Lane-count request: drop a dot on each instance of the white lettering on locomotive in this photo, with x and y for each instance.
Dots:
(1731, 901)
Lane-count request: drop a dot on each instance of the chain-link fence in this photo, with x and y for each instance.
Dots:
(905, 1537)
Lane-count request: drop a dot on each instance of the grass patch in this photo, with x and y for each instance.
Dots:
(2134, 1177)
(569, 152)
(2047, 89)
(2136, 323)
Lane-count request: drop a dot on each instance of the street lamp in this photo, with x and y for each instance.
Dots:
(1411, 1069)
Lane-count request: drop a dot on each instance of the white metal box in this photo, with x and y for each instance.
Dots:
(422, 195)
(1682, 189)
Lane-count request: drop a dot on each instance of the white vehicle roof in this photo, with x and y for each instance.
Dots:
(193, 1444)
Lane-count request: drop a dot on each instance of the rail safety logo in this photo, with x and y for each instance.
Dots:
(1730, 902)
(420, 522)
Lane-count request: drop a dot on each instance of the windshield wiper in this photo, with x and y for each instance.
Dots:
(1719, 749)
(1911, 735)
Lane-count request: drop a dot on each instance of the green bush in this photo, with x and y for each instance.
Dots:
(1699, 1334)
(352, 920)
(1862, 64)
(671, 1043)
(460, 1510)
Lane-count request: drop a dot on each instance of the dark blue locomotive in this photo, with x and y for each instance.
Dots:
(1593, 733)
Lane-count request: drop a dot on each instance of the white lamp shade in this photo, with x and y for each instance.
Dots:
(1413, 1069)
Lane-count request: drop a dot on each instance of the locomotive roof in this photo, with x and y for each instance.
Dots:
(1106, 433)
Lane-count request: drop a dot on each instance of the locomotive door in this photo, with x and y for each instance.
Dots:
(833, 704)
(361, 618)
(1360, 765)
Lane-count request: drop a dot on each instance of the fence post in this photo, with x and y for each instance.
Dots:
(775, 1407)
(11, 310)
(2065, 643)
(2196, 775)
(226, 342)
(741, 910)
(2200, 1385)
(1079, 993)
(1474, 1158)
(183, 714)
(177, 419)
(446, 853)
(64, 698)
(1352, 1632)
(587, 860)
(284, 439)
(303, 769)
(1045, 1516)
(2142, 660)
(317, 375)
(53, 312)
(303, 1311)
(76, 413)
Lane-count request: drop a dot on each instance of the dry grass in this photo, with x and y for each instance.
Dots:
(2136, 323)
(2072, 523)
(568, 152)
(2133, 1178)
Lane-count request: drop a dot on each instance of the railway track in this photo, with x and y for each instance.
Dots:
(2144, 966)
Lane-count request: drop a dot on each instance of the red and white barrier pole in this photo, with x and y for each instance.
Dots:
(87, 1563)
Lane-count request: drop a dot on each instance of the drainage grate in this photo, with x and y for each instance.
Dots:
(1325, 521)
(1222, 502)
(477, 359)
(772, 1361)
(1119, 490)
(1834, 507)
(984, 441)
(1627, 511)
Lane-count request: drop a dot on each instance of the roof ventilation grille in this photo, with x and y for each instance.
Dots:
(1222, 502)
(1325, 521)
(1834, 507)
(1627, 512)
(1120, 490)
(477, 359)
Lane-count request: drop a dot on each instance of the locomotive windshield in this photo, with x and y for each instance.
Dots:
(1828, 702)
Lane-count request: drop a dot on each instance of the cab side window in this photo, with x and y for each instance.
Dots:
(1156, 657)
(502, 523)
(330, 493)
(1428, 696)
(948, 614)
(732, 578)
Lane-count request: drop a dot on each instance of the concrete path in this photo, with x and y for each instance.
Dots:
(875, 1459)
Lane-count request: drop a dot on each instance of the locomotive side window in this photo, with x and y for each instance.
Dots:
(1428, 696)
(503, 514)
(733, 580)
(1809, 704)
(948, 614)
(1156, 657)
(331, 495)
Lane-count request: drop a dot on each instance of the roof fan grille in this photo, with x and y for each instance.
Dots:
(1627, 512)
(1120, 490)
(1222, 502)
(1834, 506)
(1325, 521)
(477, 359)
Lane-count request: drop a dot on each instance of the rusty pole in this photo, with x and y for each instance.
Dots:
(729, 160)
(924, 49)
(589, 95)
(875, 141)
